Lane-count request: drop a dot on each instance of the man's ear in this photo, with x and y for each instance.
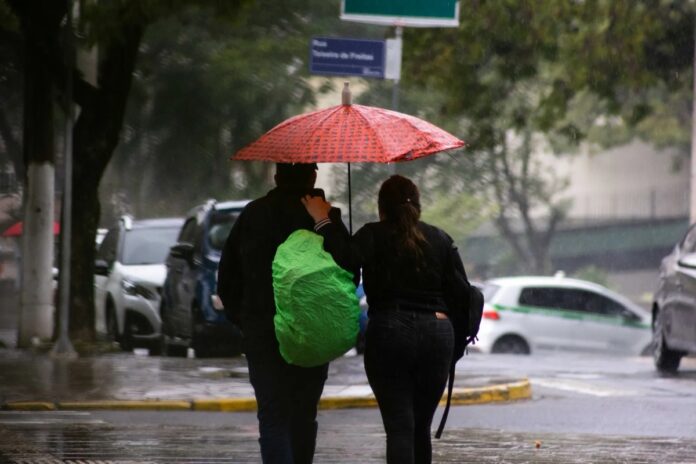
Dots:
(314, 177)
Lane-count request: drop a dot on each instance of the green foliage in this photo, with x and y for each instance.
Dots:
(205, 87)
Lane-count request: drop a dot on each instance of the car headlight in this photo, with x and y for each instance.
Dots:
(134, 289)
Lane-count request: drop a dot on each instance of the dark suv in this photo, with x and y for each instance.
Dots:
(192, 314)
(674, 307)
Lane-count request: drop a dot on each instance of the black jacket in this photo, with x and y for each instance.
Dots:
(391, 278)
(245, 283)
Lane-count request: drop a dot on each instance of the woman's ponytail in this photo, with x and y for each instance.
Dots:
(399, 204)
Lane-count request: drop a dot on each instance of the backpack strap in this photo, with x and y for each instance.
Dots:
(445, 413)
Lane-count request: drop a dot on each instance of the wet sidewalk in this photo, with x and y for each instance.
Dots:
(101, 443)
(31, 381)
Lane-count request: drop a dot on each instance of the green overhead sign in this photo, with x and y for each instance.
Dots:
(409, 13)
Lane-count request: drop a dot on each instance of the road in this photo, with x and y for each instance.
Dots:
(587, 408)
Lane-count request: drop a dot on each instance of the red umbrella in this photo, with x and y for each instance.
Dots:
(349, 133)
(15, 230)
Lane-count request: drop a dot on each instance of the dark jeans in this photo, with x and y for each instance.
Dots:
(407, 359)
(287, 397)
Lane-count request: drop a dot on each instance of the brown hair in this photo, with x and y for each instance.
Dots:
(399, 205)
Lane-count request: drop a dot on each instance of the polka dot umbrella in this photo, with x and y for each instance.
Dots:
(349, 133)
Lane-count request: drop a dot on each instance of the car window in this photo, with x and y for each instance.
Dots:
(107, 249)
(188, 232)
(689, 243)
(600, 304)
(220, 225)
(572, 299)
(545, 297)
(148, 246)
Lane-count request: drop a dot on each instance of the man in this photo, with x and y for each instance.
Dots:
(287, 396)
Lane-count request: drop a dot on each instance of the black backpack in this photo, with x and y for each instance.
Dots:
(465, 305)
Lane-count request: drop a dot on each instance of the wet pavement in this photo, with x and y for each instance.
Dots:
(26, 376)
(74, 437)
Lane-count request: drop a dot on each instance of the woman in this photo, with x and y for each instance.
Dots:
(405, 264)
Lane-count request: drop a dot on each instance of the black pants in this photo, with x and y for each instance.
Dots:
(287, 397)
(407, 359)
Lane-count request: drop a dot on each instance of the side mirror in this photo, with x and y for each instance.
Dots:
(182, 251)
(101, 267)
(688, 261)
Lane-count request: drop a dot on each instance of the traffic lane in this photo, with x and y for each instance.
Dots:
(87, 437)
(578, 365)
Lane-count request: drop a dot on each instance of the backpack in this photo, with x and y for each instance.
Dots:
(317, 309)
(465, 305)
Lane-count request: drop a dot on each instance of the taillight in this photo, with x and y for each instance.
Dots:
(490, 313)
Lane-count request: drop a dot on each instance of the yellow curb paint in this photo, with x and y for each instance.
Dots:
(30, 406)
(496, 393)
(153, 405)
(521, 390)
(338, 402)
(225, 404)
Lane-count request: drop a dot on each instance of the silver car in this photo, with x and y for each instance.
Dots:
(674, 307)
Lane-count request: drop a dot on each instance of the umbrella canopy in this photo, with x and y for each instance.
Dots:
(348, 134)
(15, 230)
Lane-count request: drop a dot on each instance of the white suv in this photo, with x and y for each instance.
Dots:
(129, 273)
(522, 314)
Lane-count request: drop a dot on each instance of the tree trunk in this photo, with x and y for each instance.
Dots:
(96, 135)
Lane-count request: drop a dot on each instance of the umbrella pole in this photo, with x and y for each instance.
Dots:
(350, 205)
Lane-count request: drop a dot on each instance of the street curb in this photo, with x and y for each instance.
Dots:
(513, 391)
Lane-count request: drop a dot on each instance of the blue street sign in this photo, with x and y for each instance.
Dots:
(347, 57)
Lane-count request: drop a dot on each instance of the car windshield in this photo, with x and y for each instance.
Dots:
(489, 291)
(148, 246)
(220, 225)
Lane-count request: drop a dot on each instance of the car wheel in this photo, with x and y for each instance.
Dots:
(155, 348)
(126, 341)
(666, 360)
(176, 351)
(511, 344)
(111, 323)
(201, 346)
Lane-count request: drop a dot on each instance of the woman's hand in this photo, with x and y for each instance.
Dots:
(317, 207)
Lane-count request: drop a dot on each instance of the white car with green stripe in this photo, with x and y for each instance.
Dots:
(522, 314)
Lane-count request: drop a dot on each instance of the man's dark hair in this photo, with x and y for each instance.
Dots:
(295, 175)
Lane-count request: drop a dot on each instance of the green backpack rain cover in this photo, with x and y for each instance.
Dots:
(317, 309)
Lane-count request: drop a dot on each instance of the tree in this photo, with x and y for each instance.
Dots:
(10, 92)
(221, 87)
(536, 77)
(116, 28)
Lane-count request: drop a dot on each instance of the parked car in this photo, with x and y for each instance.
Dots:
(674, 307)
(522, 314)
(129, 272)
(362, 319)
(192, 313)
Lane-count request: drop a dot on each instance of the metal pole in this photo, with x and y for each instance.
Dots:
(395, 88)
(350, 204)
(63, 346)
(399, 32)
(692, 206)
